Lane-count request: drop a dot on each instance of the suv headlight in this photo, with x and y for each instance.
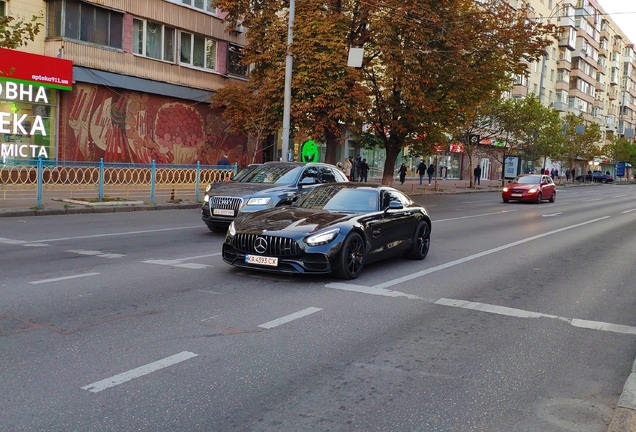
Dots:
(208, 187)
(206, 198)
(323, 237)
(258, 201)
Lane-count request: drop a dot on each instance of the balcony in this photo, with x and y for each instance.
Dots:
(612, 94)
(566, 21)
(560, 106)
(564, 64)
(562, 85)
(601, 87)
(597, 103)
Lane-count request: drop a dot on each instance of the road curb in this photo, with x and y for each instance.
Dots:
(55, 211)
(624, 418)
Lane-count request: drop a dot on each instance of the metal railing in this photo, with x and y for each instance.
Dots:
(24, 176)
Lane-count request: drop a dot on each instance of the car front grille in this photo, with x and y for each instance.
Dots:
(276, 246)
(517, 190)
(226, 203)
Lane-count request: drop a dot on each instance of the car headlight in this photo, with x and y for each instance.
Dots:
(231, 231)
(533, 190)
(258, 201)
(505, 189)
(206, 198)
(323, 237)
(208, 187)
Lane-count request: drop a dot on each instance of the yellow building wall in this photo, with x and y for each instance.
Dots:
(24, 10)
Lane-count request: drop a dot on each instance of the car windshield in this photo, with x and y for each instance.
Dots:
(244, 172)
(527, 180)
(337, 198)
(281, 174)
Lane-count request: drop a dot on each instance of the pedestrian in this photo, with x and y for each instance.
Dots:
(567, 175)
(477, 175)
(354, 169)
(402, 172)
(556, 174)
(347, 168)
(421, 170)
(224, 161)
(573, 174)
(430, 171)
(364, 170)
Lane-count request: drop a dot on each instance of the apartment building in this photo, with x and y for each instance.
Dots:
(139, 77)
(589, 70)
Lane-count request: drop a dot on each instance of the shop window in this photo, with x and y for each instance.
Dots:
(197, 50)
(3, 8)
(74, 19)
(234, 61)
(153, 40)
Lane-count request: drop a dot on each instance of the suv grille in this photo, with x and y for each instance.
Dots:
(227, 203)
(276, 246)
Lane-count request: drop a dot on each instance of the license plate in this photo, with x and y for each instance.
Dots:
(261, 260)
(516, 195)
(223, 212)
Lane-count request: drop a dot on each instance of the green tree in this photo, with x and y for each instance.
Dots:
(582, 141)
(16, 32)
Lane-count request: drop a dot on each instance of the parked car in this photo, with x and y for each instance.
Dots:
(530, 187)
(596, 177)
(337, 228)
(262, 186)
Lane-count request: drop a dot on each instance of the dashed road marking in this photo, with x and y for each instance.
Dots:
(113, 381)
(180, 262)
(96, 253)
(62, 278)
(290, 317)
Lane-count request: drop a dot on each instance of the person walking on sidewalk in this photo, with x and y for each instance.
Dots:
(421, 170)
(402, 172)
(477, 173)
(347, 169)
(430, 171)
(364, 170)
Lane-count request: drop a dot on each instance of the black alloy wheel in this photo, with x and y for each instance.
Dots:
(553, 197)
(351, 257)
(422, 242)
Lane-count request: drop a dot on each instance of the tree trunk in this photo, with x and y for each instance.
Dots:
(332, 141)
(393, 147)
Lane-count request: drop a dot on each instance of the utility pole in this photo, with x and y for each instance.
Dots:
(289, 61)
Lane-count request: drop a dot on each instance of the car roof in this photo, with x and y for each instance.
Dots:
(360, 186)
(294, 164)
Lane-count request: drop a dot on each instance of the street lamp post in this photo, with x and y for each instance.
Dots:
(289, 61)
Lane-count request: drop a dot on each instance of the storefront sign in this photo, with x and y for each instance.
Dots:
(21, 67)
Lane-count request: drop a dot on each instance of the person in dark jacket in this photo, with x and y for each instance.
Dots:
(224, 161)
(364, 170)
(477, 174)
(421, 170)
(402, 172)
(430, 171)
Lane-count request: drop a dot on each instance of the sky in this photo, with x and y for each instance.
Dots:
(623, 13)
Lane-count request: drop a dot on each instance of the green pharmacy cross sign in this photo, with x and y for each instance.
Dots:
(309, 152)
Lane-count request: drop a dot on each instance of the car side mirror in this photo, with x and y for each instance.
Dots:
(307, 181)
(394, 205)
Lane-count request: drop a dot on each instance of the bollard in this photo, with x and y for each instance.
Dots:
(198, 182)
(152, 181)
(101, 180)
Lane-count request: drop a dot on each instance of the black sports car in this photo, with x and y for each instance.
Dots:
(335, 228)
(263, 186)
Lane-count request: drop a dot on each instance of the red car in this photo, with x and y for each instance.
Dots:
(530, 187)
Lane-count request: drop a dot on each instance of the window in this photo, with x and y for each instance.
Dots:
(153, 40)
(204, 5)
(234, 64)
(74, 19)
(197, 50)
(3, 8)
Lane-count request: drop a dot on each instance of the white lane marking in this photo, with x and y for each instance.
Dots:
(179, 262)
(96, 253)
(628, 211)
(551, 215)
(290, 317)
(118, 234)
(473, 216)
(619, 196)
(488, 308)
(10, 241)
(35, 245)
(210, 292)
(595, 199)
(62, 278)
(98, 386)
(481, 254)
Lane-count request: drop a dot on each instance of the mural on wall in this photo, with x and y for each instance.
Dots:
(136, 127)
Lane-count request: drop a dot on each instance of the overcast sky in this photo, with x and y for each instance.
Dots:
(623, 13)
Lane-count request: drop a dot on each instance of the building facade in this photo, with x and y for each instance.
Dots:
(143, 74)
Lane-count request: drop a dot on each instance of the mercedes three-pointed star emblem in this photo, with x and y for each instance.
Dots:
(260, 245)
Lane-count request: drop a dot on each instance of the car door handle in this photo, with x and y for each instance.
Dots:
(376, 232)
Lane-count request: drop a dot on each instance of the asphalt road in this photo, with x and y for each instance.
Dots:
(520, 319)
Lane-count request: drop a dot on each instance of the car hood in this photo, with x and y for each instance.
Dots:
(245, 189)
(289, 221)
(523, 186)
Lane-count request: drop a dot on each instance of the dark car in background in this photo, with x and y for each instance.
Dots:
(336, 228)
(596, 177)
(530, 187)
(263, 186)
